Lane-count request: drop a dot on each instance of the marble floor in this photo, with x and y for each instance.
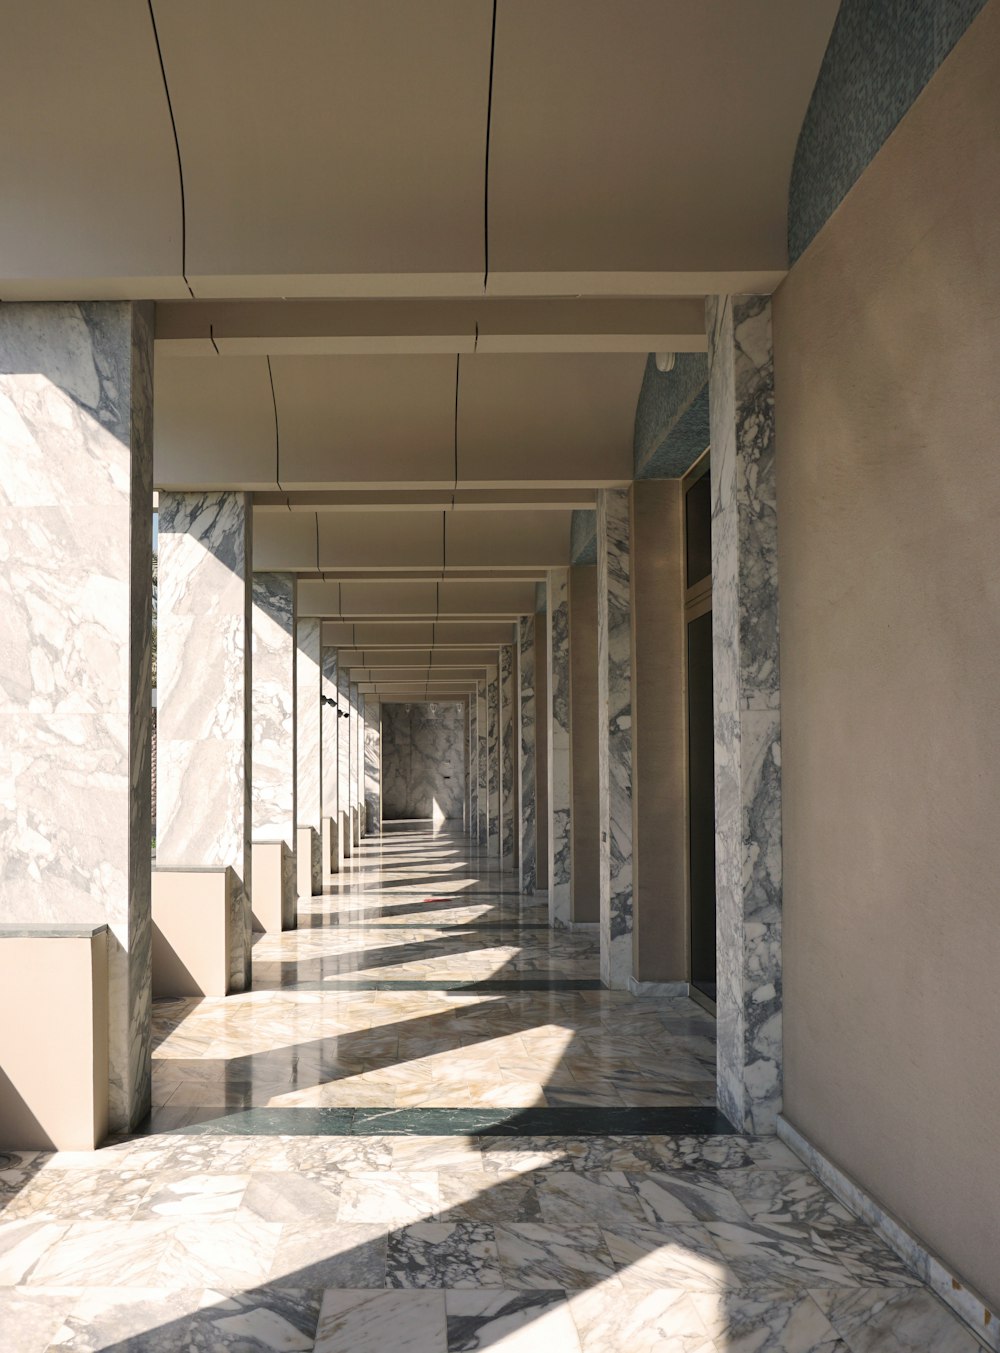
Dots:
(428, 1129)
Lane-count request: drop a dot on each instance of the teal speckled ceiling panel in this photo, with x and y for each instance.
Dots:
(880, 56)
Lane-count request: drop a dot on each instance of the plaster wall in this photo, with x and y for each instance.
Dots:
(887, 405)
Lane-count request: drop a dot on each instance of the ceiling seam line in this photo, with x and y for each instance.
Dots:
(177, 147)
(486, 160)
(277, 434)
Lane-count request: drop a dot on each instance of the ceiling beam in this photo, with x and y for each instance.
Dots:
(319, 328)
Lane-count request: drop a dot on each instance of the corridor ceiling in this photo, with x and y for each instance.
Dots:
(409, 258)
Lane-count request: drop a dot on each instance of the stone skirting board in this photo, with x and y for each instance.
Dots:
(198, 926)
(664, 990)
(53, 1037)
(983, 1323)
(272, 903)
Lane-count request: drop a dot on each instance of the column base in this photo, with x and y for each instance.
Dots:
(53, 1037)
(331, 846)
(198, 924)
(308, 861)
(274, 894)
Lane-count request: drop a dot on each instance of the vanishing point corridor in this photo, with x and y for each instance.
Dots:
(428, 1127)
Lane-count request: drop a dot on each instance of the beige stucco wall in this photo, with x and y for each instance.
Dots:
(659, 734)
(887, 349)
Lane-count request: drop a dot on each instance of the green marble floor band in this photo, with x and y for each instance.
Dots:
(441, 1122)
(331, 923)
(486, 988)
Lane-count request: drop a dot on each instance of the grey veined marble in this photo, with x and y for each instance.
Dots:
(508, 756)
(344, 758)
(527, 864)
(373, 763)
(560, 798)
(482, 766)
(471, 771)
(356, 754)
(330, 797)
(493, 761)
(273, 707)
(423, 760)
(76, 514)
(614, 716)
(203, 794)
(747, 710)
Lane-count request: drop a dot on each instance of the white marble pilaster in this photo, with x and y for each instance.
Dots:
(309, 752)
(747, 710)
(76, 516)
(493, 766)
(273, 718)
(373, 764)
(356, 733)
(508, 757)
(527, 867)
(560, 798)
(330, 805)
(614, 721)
(204, 664)
(471, 770)
(482, 766)
(344, 759)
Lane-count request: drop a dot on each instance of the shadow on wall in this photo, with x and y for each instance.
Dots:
(423, 760)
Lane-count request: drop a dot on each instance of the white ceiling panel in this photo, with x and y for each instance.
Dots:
(213, 424)
(91, 193)
(649, 140)
(326, 142)
(362, 421)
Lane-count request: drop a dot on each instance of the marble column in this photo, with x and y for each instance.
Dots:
(472, 767)
(509, 832)
(482, 766)
(344, 759)
(373, 764)
(76, 514)
(527, 875)
(493, 769)
(356, 754)
(330, 798)
(203, 776)
(560, 807)
(274, 618)
(747, 711)
(309, 756)
(614, 736)
(362, 803)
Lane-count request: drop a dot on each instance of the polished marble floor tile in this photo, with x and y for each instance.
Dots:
(428, 1128)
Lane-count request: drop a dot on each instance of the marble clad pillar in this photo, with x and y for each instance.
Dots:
(471, 772)
(203, 775)
(508, 758)
(330, 797)
(614, 722)
(527, 870)
(482, 766)
(354, 731)
(344, 760)
(493, 767)
(373, 764)
(309, 756)
(273, 720)
(76, 515)
(362, 805)
(747, 710)
(560, 815)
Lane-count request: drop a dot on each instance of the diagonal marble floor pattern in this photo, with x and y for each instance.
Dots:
(428, 1129)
